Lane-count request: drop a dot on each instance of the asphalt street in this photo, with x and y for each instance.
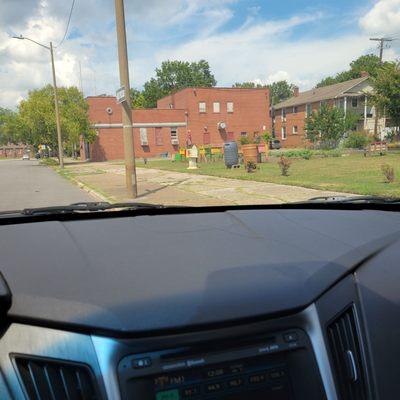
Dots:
(26, 184)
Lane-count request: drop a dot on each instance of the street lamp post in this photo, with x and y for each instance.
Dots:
(58, 124)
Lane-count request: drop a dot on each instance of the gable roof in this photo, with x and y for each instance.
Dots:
(322, 93)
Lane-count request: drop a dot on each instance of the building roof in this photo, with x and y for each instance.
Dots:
(322, 93)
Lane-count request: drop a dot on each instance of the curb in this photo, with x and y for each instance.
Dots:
(89, 190)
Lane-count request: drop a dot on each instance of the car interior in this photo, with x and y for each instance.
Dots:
(214, 303)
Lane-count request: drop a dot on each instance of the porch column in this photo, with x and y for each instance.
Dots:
(345, 105)
(365, 111)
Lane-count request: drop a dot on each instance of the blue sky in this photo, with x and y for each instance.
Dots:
(243, 40)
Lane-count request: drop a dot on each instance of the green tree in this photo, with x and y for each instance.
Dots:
(137, 99)
(328, 126)
(248, 85)
(386, 93)
(7, 118)
(177, 75)
(36, 117)
(278, 91)
(369, 63)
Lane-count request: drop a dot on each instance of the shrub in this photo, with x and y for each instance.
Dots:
(251, 166)
(284, 164)
(356, 140)
(388, 172)
(244, 140)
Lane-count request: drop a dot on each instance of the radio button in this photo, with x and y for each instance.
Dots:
(141, 363)
(235, 382)
(189, 392)
(278, 374)
(290, 337)
(257, 379)
(213, 387)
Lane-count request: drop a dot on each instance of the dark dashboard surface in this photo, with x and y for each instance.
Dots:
(159, 272)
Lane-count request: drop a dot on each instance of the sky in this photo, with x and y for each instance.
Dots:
(243, 40)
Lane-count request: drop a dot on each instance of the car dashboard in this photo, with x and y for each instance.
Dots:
(232, 305)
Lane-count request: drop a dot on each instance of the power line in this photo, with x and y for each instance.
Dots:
(69, 20)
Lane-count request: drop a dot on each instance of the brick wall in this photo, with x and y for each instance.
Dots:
(250, 112)
(109, 142)
(294, 118)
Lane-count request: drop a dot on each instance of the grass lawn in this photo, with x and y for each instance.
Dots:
(350, 173)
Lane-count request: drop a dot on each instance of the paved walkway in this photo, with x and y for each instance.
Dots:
(166, 187)
(26, 184)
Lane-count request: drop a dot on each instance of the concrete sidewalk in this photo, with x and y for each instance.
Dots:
(175, 188)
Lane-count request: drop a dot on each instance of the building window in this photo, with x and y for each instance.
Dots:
(243, 134)
(216, 107)
(308, 110)
(354, 102)
(229, 107)
(206, 138)
(295, 130)
(283, 132)
(174, 136)
(143, 137)
(295, 109)
(158, 137)
(283, 114)
(171, 106)
(202, 107)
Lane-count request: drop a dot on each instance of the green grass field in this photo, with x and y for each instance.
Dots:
(352, 173)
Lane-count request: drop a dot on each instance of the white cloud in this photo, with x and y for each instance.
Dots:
(383, 18)
(259, 50)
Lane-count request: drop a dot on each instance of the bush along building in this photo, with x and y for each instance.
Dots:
(351, 96)
(201, 116)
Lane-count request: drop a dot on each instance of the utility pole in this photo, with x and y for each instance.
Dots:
(59, 139)
(130, 169)
(381, 46)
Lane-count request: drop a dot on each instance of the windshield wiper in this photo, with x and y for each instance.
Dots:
(353, 200)
(87, 207)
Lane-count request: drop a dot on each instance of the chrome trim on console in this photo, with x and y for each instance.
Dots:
(314, 331)
(43, 342)
(105, 349)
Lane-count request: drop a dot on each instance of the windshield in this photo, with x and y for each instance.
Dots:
(190, 103)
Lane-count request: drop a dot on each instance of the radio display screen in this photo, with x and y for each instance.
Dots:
(250, 379)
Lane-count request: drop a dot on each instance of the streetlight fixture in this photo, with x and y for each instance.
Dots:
(59, 139)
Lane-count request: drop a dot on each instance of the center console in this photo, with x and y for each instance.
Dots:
(276, 366)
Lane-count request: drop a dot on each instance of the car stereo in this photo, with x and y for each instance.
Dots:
(262, 369)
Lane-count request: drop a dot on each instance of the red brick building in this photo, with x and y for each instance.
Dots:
(201, 116)
(351, 95)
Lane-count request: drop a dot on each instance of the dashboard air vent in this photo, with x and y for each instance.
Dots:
(56, 380)
(344, 342)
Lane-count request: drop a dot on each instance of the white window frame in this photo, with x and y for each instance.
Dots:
(283, 114)
(295, 131)
(202, 107)
(144, 140)
(283, 133)
(174, 136)
(352, 104)
(229, 107)
(216, 107)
